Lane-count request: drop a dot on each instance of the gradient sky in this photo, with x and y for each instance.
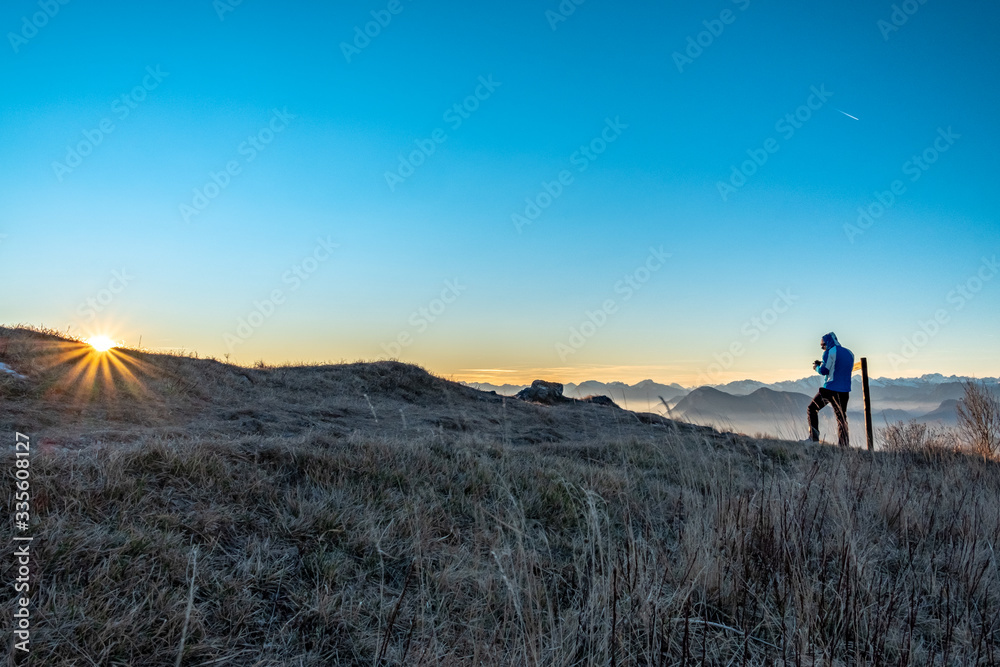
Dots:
(515, 292)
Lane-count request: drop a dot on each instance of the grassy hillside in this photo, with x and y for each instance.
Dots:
(372, 514)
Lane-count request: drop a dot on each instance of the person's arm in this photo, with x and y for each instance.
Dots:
(829, 360)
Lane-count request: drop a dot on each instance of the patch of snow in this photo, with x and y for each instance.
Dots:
(7, 369)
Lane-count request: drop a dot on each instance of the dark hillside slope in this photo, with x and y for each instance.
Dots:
(73, 396)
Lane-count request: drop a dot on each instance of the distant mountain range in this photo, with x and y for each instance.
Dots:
(927, 389)
(779, 408)
(638, 396)
(783, 413)
(708, 402)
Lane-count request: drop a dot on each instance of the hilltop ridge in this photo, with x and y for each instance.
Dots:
(73, 396)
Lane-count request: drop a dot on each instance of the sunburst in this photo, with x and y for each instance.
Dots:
(101, 343)
(94, 368)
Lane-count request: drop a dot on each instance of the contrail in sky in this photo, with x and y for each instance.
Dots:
(849, 115)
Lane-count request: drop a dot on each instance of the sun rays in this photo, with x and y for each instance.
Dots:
(94, 369)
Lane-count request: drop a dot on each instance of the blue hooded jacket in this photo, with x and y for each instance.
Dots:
(837, 366)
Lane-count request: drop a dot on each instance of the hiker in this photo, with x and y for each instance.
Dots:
(837, 366)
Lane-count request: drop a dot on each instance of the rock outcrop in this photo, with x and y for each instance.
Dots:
(549, 393)
(541, 391)
(599, 400)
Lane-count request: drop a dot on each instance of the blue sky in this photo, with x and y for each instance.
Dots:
(505, 301)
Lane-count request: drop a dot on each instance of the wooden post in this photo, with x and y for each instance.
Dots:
(863, 367)
(868, 403)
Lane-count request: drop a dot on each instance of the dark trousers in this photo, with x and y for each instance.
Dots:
(838, 399)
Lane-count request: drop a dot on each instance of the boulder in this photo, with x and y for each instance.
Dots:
(600, 400)
(541, 391)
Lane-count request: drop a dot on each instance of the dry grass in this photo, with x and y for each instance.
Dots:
(979, 419)
(488, 532)
(917, 437)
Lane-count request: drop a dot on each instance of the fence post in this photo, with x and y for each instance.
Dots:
(863, 367)
(868, 403)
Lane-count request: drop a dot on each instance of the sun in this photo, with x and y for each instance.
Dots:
(95, 369)
(101, 343)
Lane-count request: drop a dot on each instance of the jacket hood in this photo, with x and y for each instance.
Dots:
(831, 340)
